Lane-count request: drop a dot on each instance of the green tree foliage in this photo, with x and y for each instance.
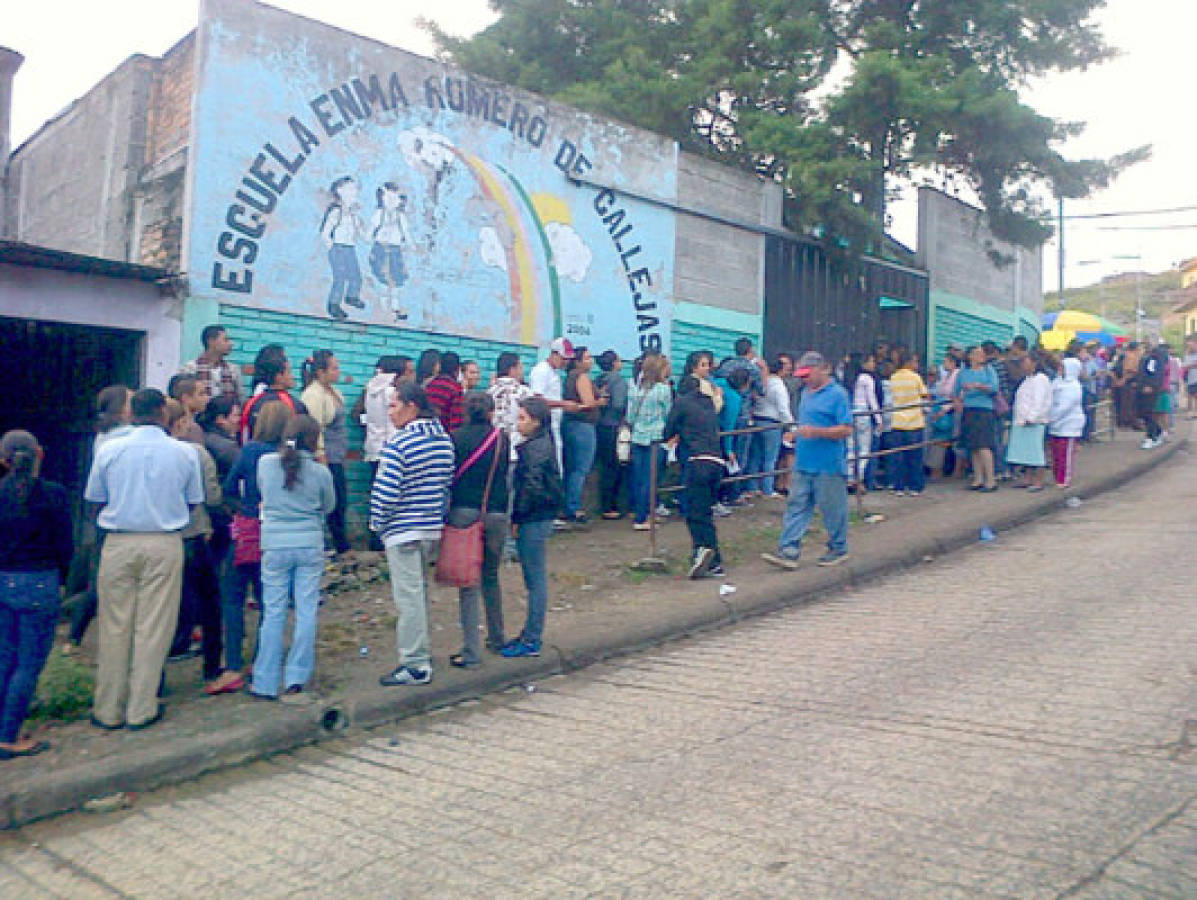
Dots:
(834, 98)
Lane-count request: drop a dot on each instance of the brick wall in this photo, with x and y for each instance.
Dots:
(161, 181)
(169, 117)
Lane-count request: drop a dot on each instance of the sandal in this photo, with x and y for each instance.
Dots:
(225, 683)
(34, 750)
(458, 661)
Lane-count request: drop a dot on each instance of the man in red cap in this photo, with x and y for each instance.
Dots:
(819, 479)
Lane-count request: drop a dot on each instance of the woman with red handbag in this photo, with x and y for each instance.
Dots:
(241, 493)
(480, 480)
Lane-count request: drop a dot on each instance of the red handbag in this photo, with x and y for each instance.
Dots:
(459, 563)
(247, 540)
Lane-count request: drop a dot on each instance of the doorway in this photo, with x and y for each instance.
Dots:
(55, 372)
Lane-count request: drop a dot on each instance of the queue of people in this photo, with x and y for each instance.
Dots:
(206, 497)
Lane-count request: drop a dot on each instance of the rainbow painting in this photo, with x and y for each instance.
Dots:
(530, 270)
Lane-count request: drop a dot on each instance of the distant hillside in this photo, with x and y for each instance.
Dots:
(1114, 298)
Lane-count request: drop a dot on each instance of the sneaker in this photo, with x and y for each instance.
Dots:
(562, 525)
(720, 511)
(831, 558)
(914, 493)
(781, 559)
(663, 511)
(406, 675)
(714, 572)
(520, 647)
(1148, 444)
(700, 562)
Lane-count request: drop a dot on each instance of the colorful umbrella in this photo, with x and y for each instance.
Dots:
(1057, 338)
(1073, 319)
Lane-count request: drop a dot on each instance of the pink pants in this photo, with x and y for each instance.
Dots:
(1063, 459)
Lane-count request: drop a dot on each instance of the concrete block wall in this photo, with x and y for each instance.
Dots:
(716, 264)
(74, 180)
(954, 246)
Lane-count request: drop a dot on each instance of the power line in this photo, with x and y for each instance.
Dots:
(1147, 227)
(1137, 212)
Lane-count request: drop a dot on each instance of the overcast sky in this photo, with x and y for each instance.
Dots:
(1142, 97)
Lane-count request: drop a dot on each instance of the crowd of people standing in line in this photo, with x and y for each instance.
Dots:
(200, 498)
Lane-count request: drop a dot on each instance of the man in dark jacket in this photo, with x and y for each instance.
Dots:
(1152, 370)
(694, 424)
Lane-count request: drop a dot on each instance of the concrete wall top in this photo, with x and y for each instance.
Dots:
(953, 245)
(718, 264)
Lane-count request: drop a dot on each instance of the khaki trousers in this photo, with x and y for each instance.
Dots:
(140, 580)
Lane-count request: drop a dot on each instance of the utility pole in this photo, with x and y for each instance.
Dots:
(1060, 255)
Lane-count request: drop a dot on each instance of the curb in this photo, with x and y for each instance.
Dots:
(185, 758)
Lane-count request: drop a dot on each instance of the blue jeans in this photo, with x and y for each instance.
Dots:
(908, 467)
(236, 582)
(762, 456)
(532, 542)
(808, 490)
(29, 604)
(580, 441)
(642, 457)
(286, 574)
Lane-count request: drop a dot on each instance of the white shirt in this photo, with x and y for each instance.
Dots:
(545, 382)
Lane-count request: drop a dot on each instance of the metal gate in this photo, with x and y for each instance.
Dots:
(815, 302)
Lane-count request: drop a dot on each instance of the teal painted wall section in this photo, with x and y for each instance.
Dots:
(697, 327)
(951, 326)
(687, 338)
(357, 348)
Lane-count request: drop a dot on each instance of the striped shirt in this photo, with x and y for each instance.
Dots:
(445, 396)
(410, 491)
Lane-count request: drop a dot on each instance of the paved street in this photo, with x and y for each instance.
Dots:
(1017, 720)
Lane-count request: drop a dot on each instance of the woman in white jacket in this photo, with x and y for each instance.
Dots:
(1030, 415)
(374, 416)
(1067, 421)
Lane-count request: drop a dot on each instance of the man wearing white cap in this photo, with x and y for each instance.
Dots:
(545, 381)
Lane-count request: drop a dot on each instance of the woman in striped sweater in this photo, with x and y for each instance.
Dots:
(407, 509)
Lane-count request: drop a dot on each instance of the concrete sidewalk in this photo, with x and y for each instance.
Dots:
(204, 735)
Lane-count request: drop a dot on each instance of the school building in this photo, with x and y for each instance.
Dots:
(316, 188)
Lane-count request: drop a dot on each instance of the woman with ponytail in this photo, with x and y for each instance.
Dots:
(297, 493)
(36, 545)
(326, 405)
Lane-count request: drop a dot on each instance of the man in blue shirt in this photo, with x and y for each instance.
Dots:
(824, 424)
(147, 482)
